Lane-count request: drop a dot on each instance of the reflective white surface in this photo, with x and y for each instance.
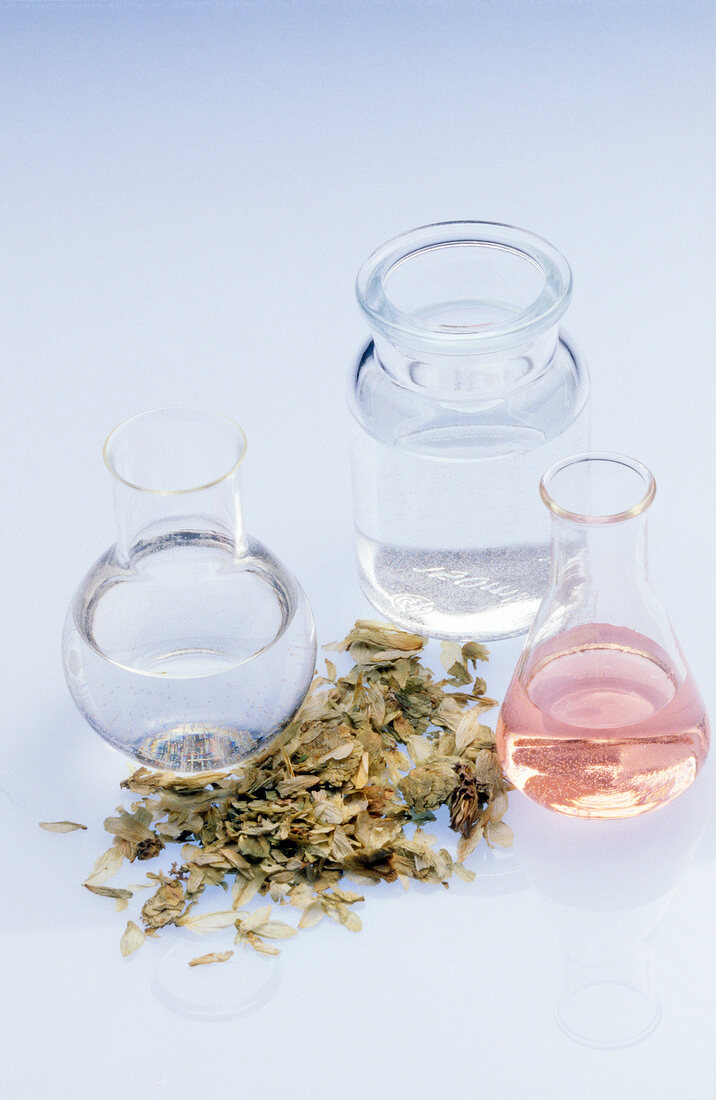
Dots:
(189, 191)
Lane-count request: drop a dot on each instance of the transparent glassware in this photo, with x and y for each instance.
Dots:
(465, 394)
(188, 645)
(602, 717)
(605, 887)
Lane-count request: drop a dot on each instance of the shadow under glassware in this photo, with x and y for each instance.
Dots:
(605, 886)
(188, 645)
(602, 717)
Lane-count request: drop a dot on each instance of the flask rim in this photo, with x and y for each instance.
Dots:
(166, 413)
(601, 519)
(522, 325)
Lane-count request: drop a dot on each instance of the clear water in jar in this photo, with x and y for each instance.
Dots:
(452, 536)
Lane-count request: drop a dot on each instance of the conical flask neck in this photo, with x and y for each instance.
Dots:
(600, 579)
(605, 561)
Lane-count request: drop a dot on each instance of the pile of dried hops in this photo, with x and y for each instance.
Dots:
(368, 754)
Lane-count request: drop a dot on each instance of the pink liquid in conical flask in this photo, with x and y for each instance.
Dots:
(602, 728)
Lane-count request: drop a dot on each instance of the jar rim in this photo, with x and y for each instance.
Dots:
(602, 519)
(525, 323)
(167, 412)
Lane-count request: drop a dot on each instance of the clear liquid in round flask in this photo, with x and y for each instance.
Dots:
(602, 717)
(466, 392)
(188, 645)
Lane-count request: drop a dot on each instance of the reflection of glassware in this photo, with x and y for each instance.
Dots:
(187, 645)
(217, 991)
(497, 871)
(606, 886)
(602, 717)
(609, 999)
(463, 396)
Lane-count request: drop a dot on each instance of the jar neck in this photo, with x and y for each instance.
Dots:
(145, 518)
(464, 308)
(443, 370)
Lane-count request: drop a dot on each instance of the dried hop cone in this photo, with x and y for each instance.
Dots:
(424, 789)
(467, 802)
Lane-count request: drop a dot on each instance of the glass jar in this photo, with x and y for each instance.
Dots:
(602, 717)
(464, 395)
(188, 645)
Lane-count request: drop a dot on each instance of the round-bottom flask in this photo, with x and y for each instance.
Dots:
(188, 645)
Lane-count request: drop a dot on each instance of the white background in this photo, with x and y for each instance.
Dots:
(187, 191)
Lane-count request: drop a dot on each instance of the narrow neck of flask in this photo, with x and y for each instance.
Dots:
(604, 564)
(143, 518)
(176, 478)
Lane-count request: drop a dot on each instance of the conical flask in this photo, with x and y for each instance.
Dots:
(602, 717)
(187, 645)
